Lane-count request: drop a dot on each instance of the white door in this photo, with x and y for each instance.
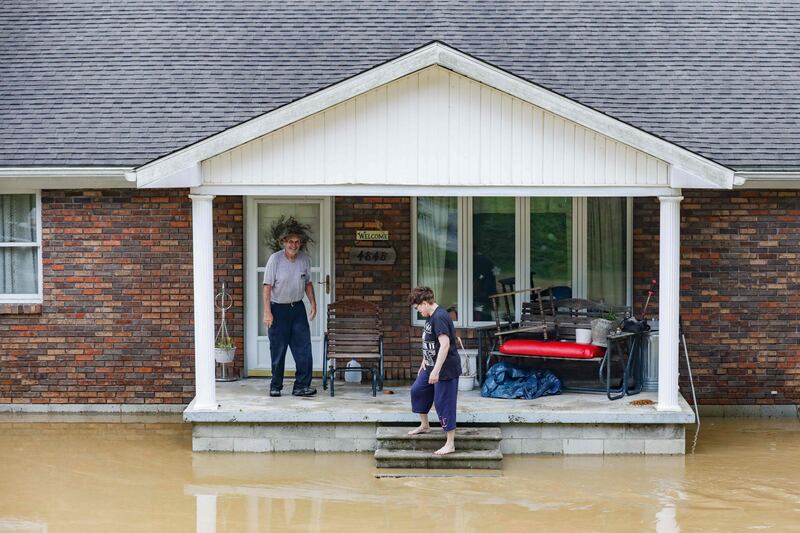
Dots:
(261, 214)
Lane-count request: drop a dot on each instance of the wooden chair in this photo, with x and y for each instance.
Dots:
(577, 313)
(538, 314)
(354, 331)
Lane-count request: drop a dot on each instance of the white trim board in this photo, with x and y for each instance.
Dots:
(767, 180)
(21, 179)
(690, 169)
(421, 190)
(38, 297)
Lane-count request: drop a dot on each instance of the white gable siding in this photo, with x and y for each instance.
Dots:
(435, 128)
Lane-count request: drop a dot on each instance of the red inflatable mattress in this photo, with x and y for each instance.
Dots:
(567, 350)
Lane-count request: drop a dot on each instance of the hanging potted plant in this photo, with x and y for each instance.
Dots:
(224, 349)
(287, 225)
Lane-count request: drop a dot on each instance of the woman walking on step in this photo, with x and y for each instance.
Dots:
(437, 381)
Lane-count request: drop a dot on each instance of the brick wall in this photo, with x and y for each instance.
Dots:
(386, 285)
(116, 324)
(229, 268)
(740, 291)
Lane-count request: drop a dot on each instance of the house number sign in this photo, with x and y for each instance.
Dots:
(372, 256)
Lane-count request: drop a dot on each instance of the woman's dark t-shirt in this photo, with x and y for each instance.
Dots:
(440, 323)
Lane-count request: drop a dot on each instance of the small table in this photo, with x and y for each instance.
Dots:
(632, 363)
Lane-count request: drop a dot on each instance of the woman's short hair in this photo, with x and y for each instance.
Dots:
(421, 294)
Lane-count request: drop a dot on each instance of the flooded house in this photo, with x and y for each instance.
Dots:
(478, 149)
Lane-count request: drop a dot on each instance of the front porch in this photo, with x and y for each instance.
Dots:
(247, 420)
(476, 180)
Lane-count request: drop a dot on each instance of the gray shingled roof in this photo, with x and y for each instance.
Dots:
(123, 82)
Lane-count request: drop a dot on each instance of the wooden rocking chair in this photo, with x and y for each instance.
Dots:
(538, 314)
(354, 331)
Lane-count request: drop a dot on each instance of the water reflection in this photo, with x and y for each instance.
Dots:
(23, 526)
(144, 477)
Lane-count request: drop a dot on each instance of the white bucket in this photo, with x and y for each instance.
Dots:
(583, 336)
(466, 382)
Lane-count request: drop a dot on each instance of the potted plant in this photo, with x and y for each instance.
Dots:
(287, 225)
(602, 326)
(224, 351)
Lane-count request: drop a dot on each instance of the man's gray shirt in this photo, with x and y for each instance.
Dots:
(288, 278)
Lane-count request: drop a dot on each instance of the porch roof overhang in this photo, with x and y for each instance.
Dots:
(767, 179)
(449, 93)
(22, 179)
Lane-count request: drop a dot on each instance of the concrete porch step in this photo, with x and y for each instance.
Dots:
(468, 459)
(397, 438)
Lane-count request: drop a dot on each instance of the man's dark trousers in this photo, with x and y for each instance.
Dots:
(290, 330)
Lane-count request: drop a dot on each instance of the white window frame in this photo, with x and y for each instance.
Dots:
(461, 276)
(522, 249)
(37, 297)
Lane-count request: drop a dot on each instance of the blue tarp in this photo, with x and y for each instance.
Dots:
(508, 381)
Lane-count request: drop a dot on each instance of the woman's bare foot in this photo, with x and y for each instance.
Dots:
(444, 450)
(420, 429)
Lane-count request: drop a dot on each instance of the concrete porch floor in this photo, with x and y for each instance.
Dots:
(248, 420)
(247, 400)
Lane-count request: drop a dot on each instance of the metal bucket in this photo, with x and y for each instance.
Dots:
(650, 362)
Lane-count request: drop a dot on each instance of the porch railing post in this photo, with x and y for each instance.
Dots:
(203, 263)
(669, 302)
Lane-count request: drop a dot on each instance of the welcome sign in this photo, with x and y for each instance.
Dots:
(372, 235)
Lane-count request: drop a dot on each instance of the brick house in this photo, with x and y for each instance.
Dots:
(605, 145)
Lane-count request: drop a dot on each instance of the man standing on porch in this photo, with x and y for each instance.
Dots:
(286, 279)
(437, 380)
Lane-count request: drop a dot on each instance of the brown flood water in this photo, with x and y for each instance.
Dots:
(87, 477)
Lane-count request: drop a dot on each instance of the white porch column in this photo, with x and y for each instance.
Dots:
(669, 302)
(203, 261)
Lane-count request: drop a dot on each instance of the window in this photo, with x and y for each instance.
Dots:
(551, 244)
(467, 249)
(437, 262)
(606, 241)
(493, 252)
(20, 248)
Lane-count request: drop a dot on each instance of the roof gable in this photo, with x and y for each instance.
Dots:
(437, 128)
(183, 167)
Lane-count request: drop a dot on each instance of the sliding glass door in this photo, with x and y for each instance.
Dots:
(468, 249)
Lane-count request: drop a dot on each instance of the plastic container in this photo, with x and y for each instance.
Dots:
(466, 382)
(583, 336)
(352, 376)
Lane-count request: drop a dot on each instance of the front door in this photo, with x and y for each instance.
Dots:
(261, 214)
